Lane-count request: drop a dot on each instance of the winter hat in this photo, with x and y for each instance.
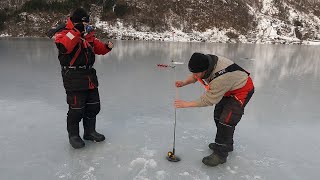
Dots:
(198, 63)
(79, 15)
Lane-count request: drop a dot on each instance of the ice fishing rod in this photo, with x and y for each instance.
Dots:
(165, 66)
(171, 156)
(173, 63)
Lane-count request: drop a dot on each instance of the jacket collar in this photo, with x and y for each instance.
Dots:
(212, 65)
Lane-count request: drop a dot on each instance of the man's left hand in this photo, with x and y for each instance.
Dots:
(182, 104)
(110, 45)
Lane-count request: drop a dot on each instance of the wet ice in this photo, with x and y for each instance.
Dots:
(276, 139)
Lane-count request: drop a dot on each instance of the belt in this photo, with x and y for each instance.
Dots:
(76, 67)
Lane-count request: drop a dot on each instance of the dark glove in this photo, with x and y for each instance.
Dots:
(89, 29)
(79, 27)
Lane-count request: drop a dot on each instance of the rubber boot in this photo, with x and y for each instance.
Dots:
(214, 146)
(214, 159)
(73, 120)
(90, 133)
(76, 142)
(223, 145)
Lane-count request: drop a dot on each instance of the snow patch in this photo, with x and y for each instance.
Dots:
(147, 152)
(161, 175)
(4, 35)
(144, 164)
(88, 174)
(230, 170)
(200, 150)
(269, 30)
(268, 162)
(138, 161)
(63, 173)
(184, 174)
(62, 176)
(249, 177)
(316, 43)
(119, 31)
(268, 7)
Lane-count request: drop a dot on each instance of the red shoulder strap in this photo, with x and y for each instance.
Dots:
(206, 86)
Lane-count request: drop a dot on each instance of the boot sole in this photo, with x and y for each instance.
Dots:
(90, 139)
(78, 147)
(211, 165)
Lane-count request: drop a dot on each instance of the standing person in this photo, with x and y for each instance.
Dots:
(230, 88)
(77, 47)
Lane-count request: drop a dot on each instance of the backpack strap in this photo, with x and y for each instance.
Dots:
(233, 67)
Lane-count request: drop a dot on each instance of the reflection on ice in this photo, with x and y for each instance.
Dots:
(281, 62)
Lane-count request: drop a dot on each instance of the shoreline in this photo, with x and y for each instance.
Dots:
(307, 43)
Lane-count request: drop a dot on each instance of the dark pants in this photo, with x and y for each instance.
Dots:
(82, 105)
(227, 114)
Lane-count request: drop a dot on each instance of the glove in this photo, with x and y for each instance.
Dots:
(89, 29)
(79, 27)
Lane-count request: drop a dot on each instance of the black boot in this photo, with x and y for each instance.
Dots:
(214, 146)
(90, 132)
(94, 136)
(214, 159)
(73, 120)
(76, 142)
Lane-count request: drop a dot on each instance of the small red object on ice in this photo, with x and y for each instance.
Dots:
(162, 65)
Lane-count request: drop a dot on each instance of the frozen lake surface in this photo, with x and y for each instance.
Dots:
(277, 138)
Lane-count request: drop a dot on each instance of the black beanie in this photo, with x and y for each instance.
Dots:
(79, 15)
(198, 63)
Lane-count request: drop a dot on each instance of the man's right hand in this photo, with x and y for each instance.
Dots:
(89, 28)
(180, 84)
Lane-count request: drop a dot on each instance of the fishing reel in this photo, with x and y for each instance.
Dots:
(171, 157)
